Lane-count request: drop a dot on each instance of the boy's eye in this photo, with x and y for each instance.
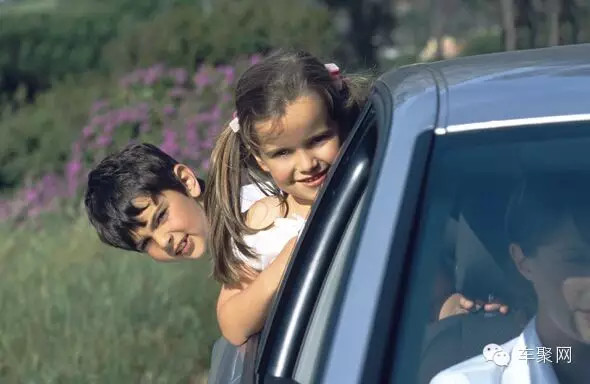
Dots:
(141, 247)
(161, 216)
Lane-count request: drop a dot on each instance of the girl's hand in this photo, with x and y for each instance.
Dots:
(457, 304)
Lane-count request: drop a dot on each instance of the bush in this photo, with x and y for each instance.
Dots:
(181, 110)
(186, 36)
(37, 138)
(41, 47)
(483, 43)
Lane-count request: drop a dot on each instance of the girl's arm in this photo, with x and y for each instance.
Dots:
(241, 312)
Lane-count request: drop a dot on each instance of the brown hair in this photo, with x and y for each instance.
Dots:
(263, 92)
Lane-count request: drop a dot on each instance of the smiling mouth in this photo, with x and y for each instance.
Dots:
(182, 246)
(315, 178)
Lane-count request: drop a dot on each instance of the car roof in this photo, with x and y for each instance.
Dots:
(506, 86)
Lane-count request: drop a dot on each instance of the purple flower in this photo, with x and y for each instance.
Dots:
(122, 115)
(125, 82)
(202, 78)
(190, 134)
(169, 144)
(207, 143)
(205, 164)
(144, 127)
(109, 128)
(87, 131)
(169, 110)
(153, 74)
(98, 120)
(50, 186)
(177, 93)
(31, 194)
(228, 73)
(5, 211)
(98, 105)
(179, 75)
(103, 140)
(225, 98)
(73, 167)
(215, 113)
(255, 59)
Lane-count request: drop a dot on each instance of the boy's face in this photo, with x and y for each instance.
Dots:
(176, 226)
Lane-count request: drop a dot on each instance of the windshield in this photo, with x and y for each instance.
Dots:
(505, 219)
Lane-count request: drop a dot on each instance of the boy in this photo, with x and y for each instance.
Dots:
(141, 199)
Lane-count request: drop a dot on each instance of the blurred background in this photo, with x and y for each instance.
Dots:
(81, 78)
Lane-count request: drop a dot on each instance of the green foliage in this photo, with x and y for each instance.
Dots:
(37, 138)
(76, 311)
(483, 43)
(52, 45)
(187, 35)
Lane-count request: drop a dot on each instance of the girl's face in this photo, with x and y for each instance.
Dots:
(299, 148)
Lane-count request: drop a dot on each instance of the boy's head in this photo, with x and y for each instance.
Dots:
(143, 200)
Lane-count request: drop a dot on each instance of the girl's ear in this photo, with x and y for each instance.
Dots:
(188, 179)
(521, 262)
(262, 164)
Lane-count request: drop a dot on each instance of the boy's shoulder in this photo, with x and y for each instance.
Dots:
(263, 213)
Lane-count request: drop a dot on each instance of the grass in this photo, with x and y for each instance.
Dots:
(74, 311)
(26, 6)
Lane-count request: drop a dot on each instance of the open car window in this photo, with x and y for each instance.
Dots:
(505, 217)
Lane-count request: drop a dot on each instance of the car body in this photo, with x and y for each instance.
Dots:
(354, 303)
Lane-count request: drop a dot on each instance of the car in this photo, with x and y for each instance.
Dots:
(420, 191)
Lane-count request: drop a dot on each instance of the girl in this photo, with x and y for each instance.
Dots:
(293, 113)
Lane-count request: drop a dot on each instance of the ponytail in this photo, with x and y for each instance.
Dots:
(223, 207)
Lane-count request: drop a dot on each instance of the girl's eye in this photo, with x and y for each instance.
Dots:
(320, 139)
(281, 153)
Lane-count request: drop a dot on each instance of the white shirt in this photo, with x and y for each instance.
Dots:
(249, 194)
(267, 244)
(523, 368)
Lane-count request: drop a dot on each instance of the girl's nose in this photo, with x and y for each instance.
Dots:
(306, 162)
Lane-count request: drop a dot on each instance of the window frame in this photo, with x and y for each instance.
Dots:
(401, 363)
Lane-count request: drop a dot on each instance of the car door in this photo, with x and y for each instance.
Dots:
(475, 180)
(311, 259)
(302, 328)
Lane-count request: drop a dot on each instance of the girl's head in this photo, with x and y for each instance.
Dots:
(292, 116)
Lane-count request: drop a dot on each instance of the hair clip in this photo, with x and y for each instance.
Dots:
(334, 71)
(234, 125)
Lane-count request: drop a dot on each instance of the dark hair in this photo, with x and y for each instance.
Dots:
(263, 92)
(541, 202)
(135, 171)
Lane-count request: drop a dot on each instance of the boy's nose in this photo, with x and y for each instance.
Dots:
(165, 242)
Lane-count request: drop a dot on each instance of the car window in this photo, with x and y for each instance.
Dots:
(505, 217)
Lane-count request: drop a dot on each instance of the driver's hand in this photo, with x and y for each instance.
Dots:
(457, 304)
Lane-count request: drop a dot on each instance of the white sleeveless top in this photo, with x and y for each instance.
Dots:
(268, 243)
